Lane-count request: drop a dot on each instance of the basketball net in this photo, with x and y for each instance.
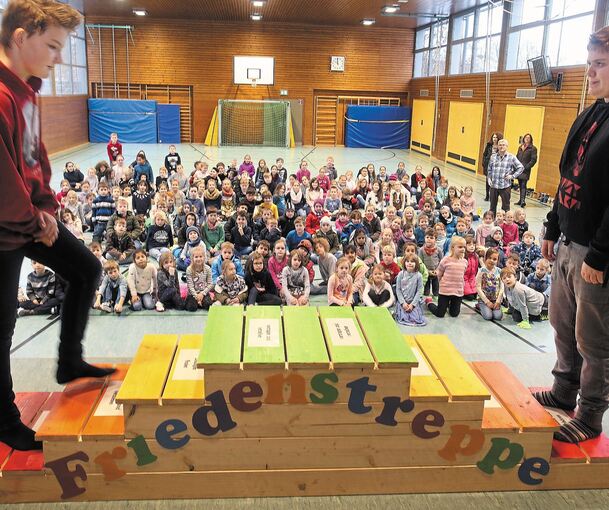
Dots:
(254, 82)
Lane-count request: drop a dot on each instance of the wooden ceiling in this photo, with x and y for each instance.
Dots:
(314, 12)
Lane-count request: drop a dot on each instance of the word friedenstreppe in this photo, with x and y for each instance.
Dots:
(246, 396)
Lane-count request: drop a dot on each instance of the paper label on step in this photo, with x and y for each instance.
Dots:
(40, 420)
(559, 415)
(343, 332)
(186, 366)
(493, 403)
(107, 405)
(423, 368)
(263, 333)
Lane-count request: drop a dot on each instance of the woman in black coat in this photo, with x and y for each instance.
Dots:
(527, 155)
(489, 150)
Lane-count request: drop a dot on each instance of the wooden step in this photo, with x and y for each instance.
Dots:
(68, 416)
(222, 344)
(263, 345)
(185, 384)
(385, 339)
(515, 397)
(344, 338)
(106, 421)
(459, 379)
(148, 372)
(304, 339)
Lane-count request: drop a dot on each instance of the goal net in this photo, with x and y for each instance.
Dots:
(262, 123)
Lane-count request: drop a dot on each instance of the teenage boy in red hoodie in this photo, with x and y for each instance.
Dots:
(32, 36)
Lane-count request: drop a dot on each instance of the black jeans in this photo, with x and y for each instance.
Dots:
(450, 303)
(505, 199)
(74, 263)
(522, 185)
(433, 284)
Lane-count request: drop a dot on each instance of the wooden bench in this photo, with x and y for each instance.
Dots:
(263, 338)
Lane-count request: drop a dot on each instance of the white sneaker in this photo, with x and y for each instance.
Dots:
(216, 303)
(105, 307)
(159, 307)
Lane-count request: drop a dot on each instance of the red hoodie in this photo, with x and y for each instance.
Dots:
(25, 171)
(114, 150)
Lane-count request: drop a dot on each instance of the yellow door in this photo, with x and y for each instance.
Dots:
(464, 131)
(520, 120)
(421, 136)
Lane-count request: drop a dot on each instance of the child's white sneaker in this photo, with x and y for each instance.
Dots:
(159, 307)
(105, 307)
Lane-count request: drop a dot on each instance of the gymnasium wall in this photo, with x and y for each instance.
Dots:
(64, 122)
(560, 111)
(199, 53)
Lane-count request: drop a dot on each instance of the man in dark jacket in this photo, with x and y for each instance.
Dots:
(579, 301)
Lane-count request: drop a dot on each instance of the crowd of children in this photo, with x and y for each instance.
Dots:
(244, 234)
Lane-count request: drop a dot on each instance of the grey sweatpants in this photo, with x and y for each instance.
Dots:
(579, 314)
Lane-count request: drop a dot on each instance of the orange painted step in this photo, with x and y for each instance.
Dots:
(515, 397)
(106, 421)
(67, 419)
(28, 404)
(495, 418)
(31, 461)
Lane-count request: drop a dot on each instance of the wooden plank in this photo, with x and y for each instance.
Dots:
(304, 338)
(597, 449)
(302, 482)
(210, 454)
(424, 382)
(223, 335)
(146, 378)
(302, 420)
(29, 404)
(515, 397)
(459, 379)
(107, 420)
(68, 416)
(32, 462)
(385, 338)
(346, 343)
(185, 383)
(388, 381)
(263, 337)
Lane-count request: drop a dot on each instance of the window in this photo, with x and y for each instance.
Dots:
(430, 50)
(71, 76)
(557, 28)
(471, 50)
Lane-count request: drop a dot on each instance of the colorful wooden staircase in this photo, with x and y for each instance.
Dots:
(294, 402)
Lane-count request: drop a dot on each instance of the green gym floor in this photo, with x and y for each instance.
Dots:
(529, 354)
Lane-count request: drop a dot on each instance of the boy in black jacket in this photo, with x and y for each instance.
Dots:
(241, 236)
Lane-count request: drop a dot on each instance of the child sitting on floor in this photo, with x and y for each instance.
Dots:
(409, 293)
(527, 304)
(377, 291)
(142, 281)
(198, 281)
(113, 292)
(168, 284)
(295, 283)
(340, 284)
(230, 288)
(40, 296)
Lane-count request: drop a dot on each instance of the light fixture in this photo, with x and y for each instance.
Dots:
(368, 21)
(258, 3)
(140, 12)
(256, 17)
(390, 9)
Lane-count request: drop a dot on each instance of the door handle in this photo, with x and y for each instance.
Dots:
(421, 122)
(462, 130)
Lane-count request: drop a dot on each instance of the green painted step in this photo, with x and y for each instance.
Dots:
(221, 346)
(304, 338)
(263, 337)
(344, 337)
(385, 338)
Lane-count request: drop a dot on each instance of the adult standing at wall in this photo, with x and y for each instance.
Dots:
(579, 301)
(490, 149)
(503, 168)
(527, 155)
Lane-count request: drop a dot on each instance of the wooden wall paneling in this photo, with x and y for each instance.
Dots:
(64, 122)
(561, 110)
(379, 61)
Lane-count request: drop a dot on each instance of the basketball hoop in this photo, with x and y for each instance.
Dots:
(253, 80)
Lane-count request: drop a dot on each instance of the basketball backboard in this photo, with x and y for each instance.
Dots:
(260, 69)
